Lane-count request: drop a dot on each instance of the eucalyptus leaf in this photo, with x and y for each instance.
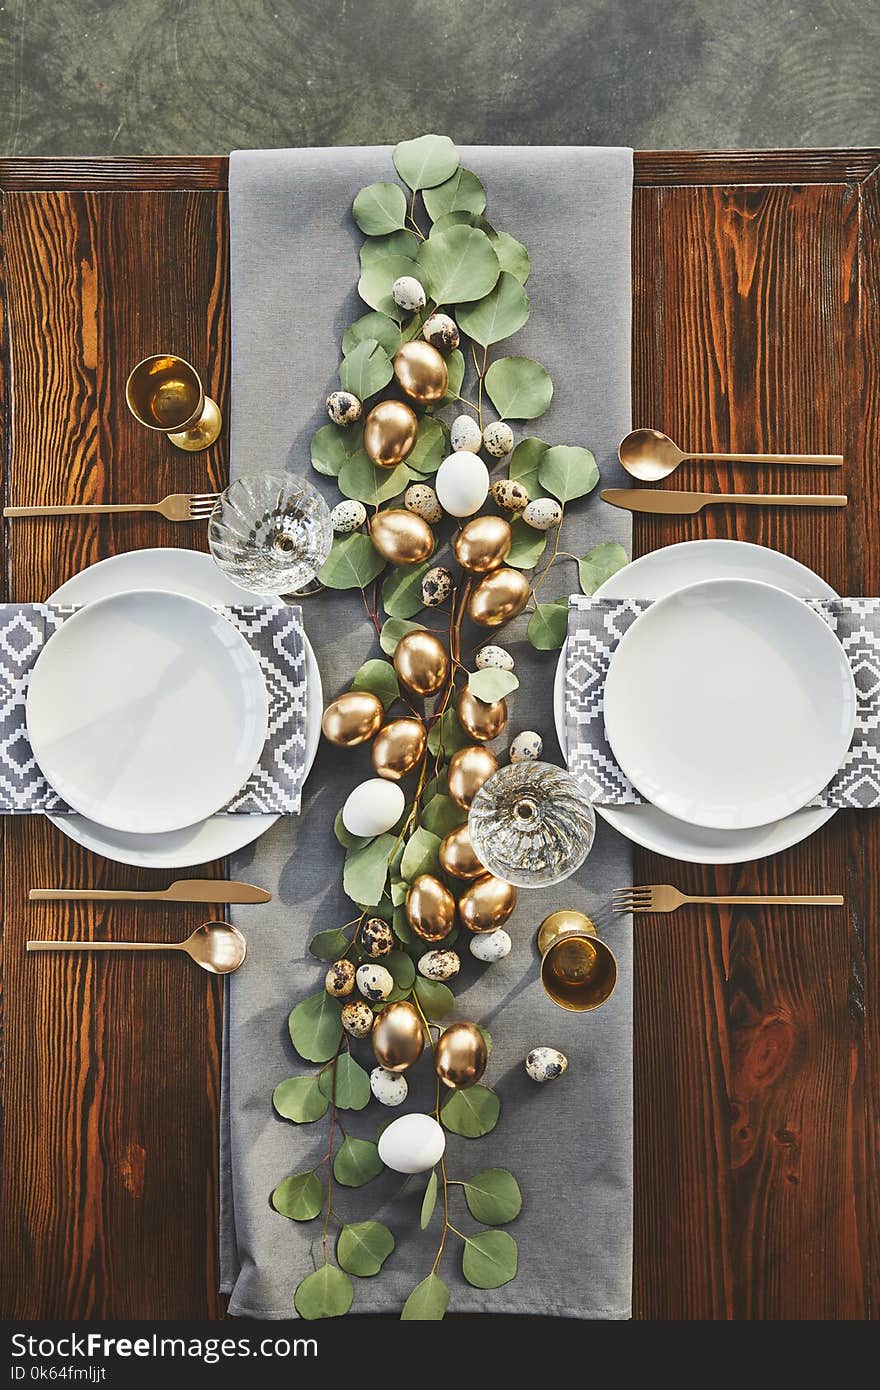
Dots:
(366, 369)
(392, 631)
(519, 388)
(448, 735)
(395, 244)
(527, 546)
(459, 218)
(430, 447)
(501, 312)
(525, 462)
(352, 1083)
(378, 326)
(329, 945)
(493, 1197)
(366, 870)
(599, 564)
(363, 1247)
(472, 1113)
(300, 1099)
(331, 446)
(425, 161)
(345, 837)
(399, 890)
(512, 255)
(490, 1259)
(436, 999)
(548, 625)
(327, 1293)
(400, 925)
(401, 968)
(377, 277)
(353, 563)
(360, 478)
(427, 1302)
(380, 208)
(462, 192)
(299, 1198)
(492, 684)
(402, 590)
(315, 1028)
(455, 373)
(487, 1039)
(357, 1162)
(566, 472)
(441, 815)
(460, 265)
(420, 855)
(380, 678)
(429, 1201)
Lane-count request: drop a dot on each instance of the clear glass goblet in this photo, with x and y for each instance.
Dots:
(270, 533)
(531, 824)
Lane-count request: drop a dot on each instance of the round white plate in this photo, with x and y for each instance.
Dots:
(654, 575)
(192, 573)
(729, 704)
(147, 711)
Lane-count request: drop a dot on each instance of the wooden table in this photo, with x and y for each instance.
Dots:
(757, 1068)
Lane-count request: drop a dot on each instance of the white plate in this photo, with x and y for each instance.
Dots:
(192, 573)
(729, 704)
(654, 575)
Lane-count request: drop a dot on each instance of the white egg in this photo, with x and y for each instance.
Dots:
(412, 1144)
(498, 439)
(494, 658)
(408, 293)
(373, 807)
(348, 516)
(546, 1063)
(374, 982)
(388, 1087)
(465, 433)
(543, 513)
(491, 945)
(526, 747)
(462, 483)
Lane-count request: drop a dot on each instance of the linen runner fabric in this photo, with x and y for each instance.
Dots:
(294, 265)
(596, 627)
(275, 634)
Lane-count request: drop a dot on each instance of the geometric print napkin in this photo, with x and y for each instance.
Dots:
(596, 626)
(275, 634)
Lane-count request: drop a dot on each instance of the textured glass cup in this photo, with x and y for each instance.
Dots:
(531, 824)
(270, 532)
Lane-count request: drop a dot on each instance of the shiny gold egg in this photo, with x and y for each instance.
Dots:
(468, 770)
(460, 1056)
(487, 904)
(499, 596)
(430, 908)
(398, 1036)
(390, 432)
(352, 718)
(401, 536)
(483, 544)
(398, 747)
(457, 855)
(483, 722)
(421, 372)
(421, 662)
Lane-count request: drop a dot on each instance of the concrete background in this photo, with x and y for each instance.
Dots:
(96, 77)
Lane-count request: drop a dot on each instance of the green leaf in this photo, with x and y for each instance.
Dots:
(345, 837)
(429, 1201)
(380, 208)
(502, 312)
(493, 1196)
(392, 631)
(300, 1099)
(357, 1162)
(430, 447)
(372, 325)
(487, 1039)
(512, 255)
(568, 472)
(329, 945)
(492, 684)
(359, 477)
(420, 855)
(519, 388)
(427, 1302)
(395, 244)
(353, 563)
(448, 734)
(459, 218)
(363, 1247)
(442, 814)
(463, 192)
(299, 1198)
(402, 590)
(548, 625)
(328, 1293)
(599, 564)
(377, 277)
(436, 999)
(527, 546)
(366, 369)
(380, 678)
(426, 161)
(315, 1028)
(455, 372)
(366, 870)
(473, 1112)
(525, 462)
(331, 446)
(402, 969)
(460, 265)
(401, 927)
(352, 1083)
(489, 1259)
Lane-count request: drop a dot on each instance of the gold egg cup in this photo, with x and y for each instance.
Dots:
(165, 393)
(578, 969)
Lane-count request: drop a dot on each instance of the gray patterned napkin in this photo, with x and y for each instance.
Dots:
(274, 632)
(596, 626)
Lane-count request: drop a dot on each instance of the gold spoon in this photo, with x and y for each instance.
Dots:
(650, 456)
(217, 947)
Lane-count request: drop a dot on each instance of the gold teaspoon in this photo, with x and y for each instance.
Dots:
(217, 947)
(650, 455)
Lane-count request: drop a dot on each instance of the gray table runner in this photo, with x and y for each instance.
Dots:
(294, 258)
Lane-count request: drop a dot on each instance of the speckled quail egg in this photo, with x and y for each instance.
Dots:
(389, 1088)
(422, 499)
(339, 979)
(436, 586)
(348, 516)
(526, 747)
(408, 294)
(439, 965)
(543, 513)
(441, 332)
(546, 1063)
(376, 938)
(494, 658)
(374, 982)
(498, 439)
(510, 495)
(491, 945)
(344, 408)
(465, 434)
(358, 1018)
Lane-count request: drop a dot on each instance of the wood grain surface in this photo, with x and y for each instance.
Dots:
(757, 1182)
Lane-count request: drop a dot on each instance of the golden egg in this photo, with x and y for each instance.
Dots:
(499, 596)
(398, 747)
(390, 432)
(421, 372)
(398, 1036)
(487, 904)
(430, 908)
(401, 536)
(483, 544)
(468, 770)
(460, 1056)
(457, 855)
(352, 718)
(421, 662)
(481, 721)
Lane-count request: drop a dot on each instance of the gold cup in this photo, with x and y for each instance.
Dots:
(165, 393)
(578, 971)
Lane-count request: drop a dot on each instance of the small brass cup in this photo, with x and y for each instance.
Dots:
(165, 393)
(578, 970)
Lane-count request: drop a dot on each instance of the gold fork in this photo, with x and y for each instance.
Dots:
(177, 506)
(662, 897)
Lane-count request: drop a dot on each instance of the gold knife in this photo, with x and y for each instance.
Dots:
(670, 503)
(185, 890)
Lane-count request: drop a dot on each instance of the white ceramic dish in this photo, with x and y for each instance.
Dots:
(654, 575)
(729, 704)
(193, 573)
